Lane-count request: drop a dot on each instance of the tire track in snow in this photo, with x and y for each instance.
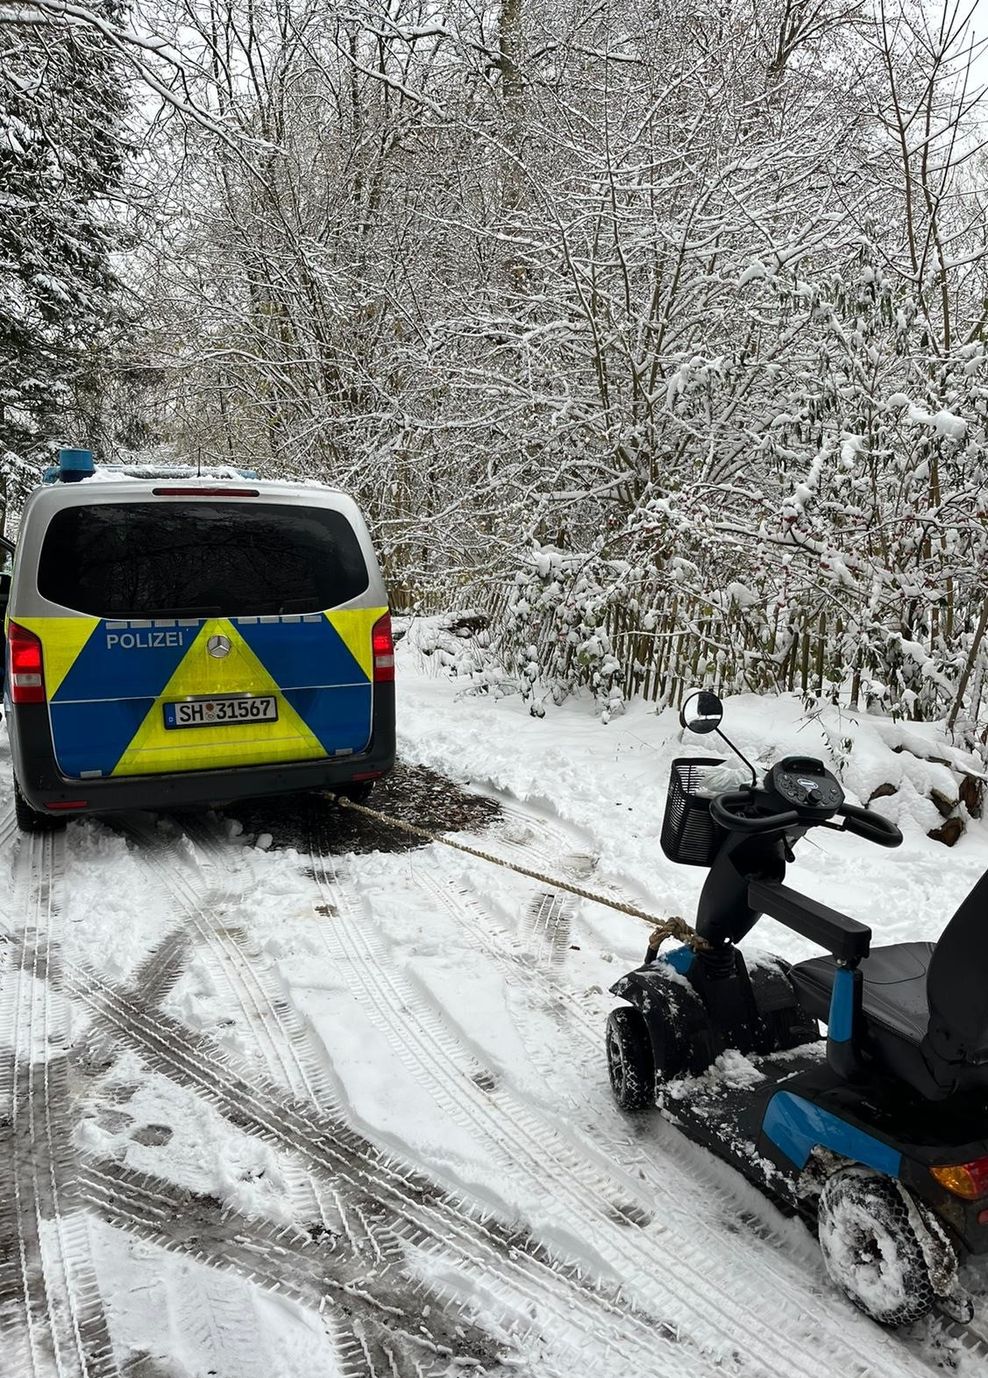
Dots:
(280, 1040)
(455, 1233)
(285, 1047)
(268, 1020)
(51, 1310)
(972, 1338)
(155, 978)
(403, 1351)
(461, 1085)
(310, 1267)
(550, 918)
(223, 855)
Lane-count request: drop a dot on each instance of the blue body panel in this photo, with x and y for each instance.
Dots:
(100, 672)
(291, 653)
(340, 720)
(797, 1126)
(680, 959)
(106, 695)
(92, 737)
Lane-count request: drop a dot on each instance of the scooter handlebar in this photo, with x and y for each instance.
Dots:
(869, 825)
(722, 811)
(862, 822)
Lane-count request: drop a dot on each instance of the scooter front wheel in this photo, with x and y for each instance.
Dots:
(629, 1060)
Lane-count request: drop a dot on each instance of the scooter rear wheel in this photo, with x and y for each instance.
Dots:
(869, 1234)
(629, 1060)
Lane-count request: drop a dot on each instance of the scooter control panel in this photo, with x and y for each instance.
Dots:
(806, 785)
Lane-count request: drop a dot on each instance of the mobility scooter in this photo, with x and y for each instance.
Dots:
(877, 1132)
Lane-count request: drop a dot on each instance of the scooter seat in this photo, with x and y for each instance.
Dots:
(924, 1006)
(893, 997)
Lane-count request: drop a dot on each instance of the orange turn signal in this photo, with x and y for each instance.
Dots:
(967, 1180)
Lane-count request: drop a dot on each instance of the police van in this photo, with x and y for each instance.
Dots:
(178, 640)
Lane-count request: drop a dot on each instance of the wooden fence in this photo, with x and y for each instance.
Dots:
(686, 644)
(691, 644)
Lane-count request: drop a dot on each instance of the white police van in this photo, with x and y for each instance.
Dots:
(175, 639)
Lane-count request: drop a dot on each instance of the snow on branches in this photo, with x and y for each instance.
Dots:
(659, 337)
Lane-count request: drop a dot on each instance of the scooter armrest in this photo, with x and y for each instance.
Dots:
(848, 940)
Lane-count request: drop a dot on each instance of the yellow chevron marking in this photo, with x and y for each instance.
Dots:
(354, 628)
(156, 748)
(62, 638)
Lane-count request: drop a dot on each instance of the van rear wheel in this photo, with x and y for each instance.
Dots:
(29, 820)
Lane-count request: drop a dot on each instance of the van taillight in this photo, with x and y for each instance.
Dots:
(384, 650)
(27, 676)
(206, 492)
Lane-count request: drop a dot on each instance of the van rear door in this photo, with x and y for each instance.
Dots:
(204, 632)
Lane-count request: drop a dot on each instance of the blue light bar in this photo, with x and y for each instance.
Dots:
(75, 465)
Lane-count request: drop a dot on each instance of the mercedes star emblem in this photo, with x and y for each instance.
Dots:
(218, 646)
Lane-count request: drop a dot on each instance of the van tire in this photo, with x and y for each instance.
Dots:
(29, 820)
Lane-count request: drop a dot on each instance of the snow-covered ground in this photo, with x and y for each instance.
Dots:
(275, 1109)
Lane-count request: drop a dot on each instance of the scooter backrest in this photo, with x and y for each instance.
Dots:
(957, 982)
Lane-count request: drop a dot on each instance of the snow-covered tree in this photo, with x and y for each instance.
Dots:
(658, 331)
(62, 151)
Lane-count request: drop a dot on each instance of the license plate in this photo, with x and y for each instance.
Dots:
(226, 709)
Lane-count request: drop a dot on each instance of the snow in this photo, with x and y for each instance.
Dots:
(732, 1069)
(944, 422)
(755, 272)
(447, 1014)
(730, 775)
(949, 425)
(609, 783)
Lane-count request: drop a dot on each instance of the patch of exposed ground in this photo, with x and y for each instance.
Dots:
(414, 794)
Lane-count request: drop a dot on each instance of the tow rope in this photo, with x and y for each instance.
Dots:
(674, 927)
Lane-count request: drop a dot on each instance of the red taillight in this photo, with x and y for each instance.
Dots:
(383, 646)
(67, 804)
(968, 1180)
(27, 676)
(206, 492)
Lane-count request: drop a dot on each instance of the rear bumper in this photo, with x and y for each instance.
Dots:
(43, 785)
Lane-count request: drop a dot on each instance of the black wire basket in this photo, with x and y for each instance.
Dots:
(689, 835)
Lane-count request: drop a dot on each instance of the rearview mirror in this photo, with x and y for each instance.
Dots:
(702, 712)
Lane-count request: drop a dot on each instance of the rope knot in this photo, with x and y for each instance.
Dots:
(677, 927)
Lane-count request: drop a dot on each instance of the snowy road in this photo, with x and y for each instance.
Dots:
(274, 1107)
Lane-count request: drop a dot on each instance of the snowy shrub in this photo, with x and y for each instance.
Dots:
(555, 634)
(457, 645)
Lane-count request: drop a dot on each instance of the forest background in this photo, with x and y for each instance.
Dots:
(654, 333)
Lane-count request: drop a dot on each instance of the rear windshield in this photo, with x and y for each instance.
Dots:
(199, 559)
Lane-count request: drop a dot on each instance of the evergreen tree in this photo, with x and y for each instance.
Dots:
(62, 152)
